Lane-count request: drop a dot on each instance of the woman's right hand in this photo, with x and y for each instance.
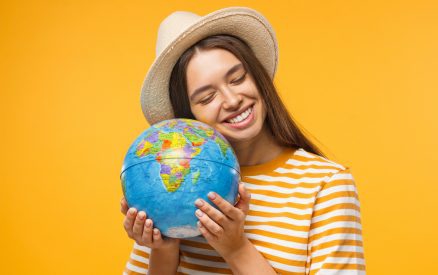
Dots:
(141, 230)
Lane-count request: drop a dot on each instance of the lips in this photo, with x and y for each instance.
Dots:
(244, 123)
(239, 116)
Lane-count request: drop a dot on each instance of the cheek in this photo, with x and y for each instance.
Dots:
(201, 118)
(250, 91)
(263, 113)
(206, 114)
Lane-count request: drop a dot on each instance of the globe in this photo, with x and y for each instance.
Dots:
(173, 163)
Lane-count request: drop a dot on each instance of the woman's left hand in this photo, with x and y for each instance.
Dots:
(224, 230)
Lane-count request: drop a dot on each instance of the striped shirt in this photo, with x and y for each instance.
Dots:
(304, 218)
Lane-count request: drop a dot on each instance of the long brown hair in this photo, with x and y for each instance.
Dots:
(279, 121)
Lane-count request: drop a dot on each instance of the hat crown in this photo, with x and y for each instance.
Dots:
(172, 26)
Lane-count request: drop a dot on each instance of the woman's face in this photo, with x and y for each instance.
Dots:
(224, 95)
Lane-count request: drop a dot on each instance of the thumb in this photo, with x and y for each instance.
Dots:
(123, 206)
(245, 197)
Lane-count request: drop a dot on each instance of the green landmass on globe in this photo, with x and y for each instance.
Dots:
(178, 148)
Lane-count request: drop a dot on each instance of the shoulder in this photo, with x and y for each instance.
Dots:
(302, 158)
(296, 168)
(312, 165)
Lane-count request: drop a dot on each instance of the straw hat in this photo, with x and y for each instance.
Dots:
(180, 30)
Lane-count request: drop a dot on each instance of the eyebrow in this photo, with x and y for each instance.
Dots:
(207, 87)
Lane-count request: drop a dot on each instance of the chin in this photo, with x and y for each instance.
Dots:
(243, 136)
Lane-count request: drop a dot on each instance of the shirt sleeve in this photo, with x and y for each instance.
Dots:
(138, 262)
(335, 236)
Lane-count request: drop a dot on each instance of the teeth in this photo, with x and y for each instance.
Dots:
(240, 117)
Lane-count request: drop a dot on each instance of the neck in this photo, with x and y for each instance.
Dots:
(259, 150)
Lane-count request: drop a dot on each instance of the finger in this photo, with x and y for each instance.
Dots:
(123, 206)
(216, 215)
(223, 205)
(146, 238)
(129, 221)
(207, 235)
(137, 230)
(158, 240)
(209, 224)
(244, 200)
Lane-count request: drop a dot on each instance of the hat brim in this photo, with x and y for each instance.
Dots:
(247, 24)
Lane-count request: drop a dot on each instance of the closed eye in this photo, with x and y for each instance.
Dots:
(239, 80)
(207, 99)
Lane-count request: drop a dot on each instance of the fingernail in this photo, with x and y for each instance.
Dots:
(199, 203)
(132, 211)
(199, 213)
(141, 215)
(156, 231)
(211, 195)
(148, 223)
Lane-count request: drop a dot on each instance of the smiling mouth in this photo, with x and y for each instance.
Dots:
(244, 115)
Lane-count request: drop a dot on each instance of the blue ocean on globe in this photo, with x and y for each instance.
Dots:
(173, 163)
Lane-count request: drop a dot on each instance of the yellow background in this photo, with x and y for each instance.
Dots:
(361, 76)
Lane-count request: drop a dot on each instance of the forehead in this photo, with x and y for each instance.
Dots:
(208, 65)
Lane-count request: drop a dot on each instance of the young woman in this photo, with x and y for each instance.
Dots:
(302, 216)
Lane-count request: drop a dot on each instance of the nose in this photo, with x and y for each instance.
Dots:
(232, 100)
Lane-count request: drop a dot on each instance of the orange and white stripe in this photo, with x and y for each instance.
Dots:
(304, 218)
